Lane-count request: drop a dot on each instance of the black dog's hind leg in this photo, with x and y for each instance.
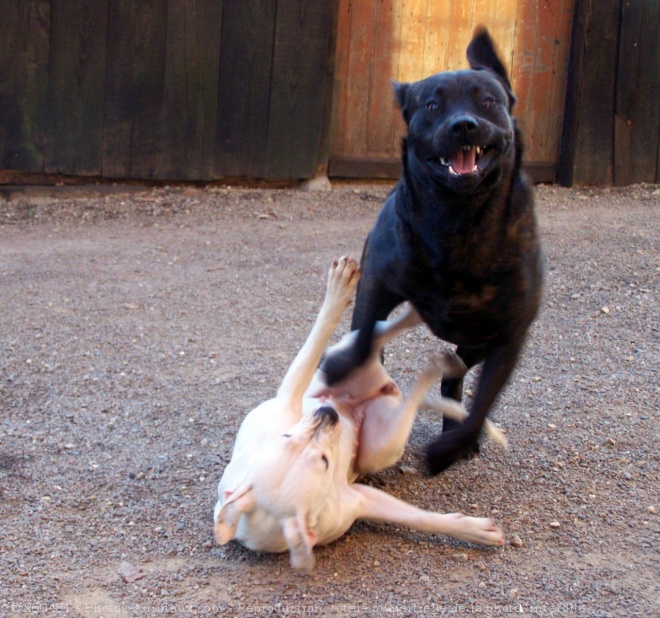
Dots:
(459, 439)
(373, 303)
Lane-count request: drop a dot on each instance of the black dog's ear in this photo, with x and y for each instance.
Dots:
(481, 54)
(401, 90)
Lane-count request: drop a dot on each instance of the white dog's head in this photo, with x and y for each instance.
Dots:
(291, 480)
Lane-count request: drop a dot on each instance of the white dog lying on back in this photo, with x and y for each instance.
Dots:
(290, 483)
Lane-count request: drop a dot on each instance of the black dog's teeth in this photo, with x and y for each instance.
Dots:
(479, 151)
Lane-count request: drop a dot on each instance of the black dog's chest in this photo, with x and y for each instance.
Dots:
(469, 312)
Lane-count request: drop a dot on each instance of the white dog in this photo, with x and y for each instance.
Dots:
(290, 483)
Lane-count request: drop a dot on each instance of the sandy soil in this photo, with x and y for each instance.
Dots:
(139, 325)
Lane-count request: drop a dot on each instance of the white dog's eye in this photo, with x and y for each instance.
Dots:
(286, 435)
(325, 460)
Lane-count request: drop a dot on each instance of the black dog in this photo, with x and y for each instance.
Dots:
(456, 237)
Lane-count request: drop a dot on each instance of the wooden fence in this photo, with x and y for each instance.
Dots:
(406, 40)
(612, 120)
(166, 89)
(213, 89)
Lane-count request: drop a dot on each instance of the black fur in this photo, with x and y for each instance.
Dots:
(463, 248)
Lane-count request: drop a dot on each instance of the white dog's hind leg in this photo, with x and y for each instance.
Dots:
(387, 425)
(376, 505)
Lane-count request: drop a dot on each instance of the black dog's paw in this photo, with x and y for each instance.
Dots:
(449, 448)
(339, 364)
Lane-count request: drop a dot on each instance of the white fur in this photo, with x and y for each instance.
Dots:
(290, 483)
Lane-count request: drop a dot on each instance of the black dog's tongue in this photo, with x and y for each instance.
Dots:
(463, 161)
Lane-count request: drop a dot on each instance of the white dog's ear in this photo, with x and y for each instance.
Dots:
(236, 503)
(300, 541)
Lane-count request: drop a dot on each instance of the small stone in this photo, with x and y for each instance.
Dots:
(653, 510)
(376, 563)
(460, 557)
(555, 524)
(605, 310)
(129, 573)
(516, 541)
(610, 442)
(407, 470)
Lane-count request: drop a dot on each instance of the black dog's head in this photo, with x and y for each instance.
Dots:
(460, 128)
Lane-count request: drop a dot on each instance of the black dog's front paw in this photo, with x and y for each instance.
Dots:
(449, 448)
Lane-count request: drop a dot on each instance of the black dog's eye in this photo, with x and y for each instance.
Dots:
(488, 102)
(432, 106)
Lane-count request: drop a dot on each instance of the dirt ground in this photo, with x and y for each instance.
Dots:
(138, 325)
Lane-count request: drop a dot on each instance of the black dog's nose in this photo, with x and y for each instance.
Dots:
(463, 124)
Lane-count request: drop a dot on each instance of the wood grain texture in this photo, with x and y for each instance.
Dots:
(298, 82)
(134, 89)
(594, 158)
(192, 58)
(24, 52)
(76, 87)
(248, 30)
(637, 105)
(424, 37)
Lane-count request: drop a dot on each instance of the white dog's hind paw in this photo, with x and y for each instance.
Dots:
(474, 529)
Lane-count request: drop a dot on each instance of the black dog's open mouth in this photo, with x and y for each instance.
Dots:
(466, 161)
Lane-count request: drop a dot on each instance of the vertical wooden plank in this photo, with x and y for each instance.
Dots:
(248, 28)
(76, 86)
(413, 28)
(362, 34)
(300, 66)
(595, 138)
(556, 101)
(436, 37)
(637, 120)
(383, 112)
(134, 89)
(462, 18)
(24, 51)
(323, 162)
(192, 58)
(540, 143)
(341, 78)
(500, 19)
(522, 71)
(568, 142)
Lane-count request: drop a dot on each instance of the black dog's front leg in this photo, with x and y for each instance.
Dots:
(459, 439)
(373, 303)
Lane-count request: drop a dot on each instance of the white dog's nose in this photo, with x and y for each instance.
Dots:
(326, 415)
